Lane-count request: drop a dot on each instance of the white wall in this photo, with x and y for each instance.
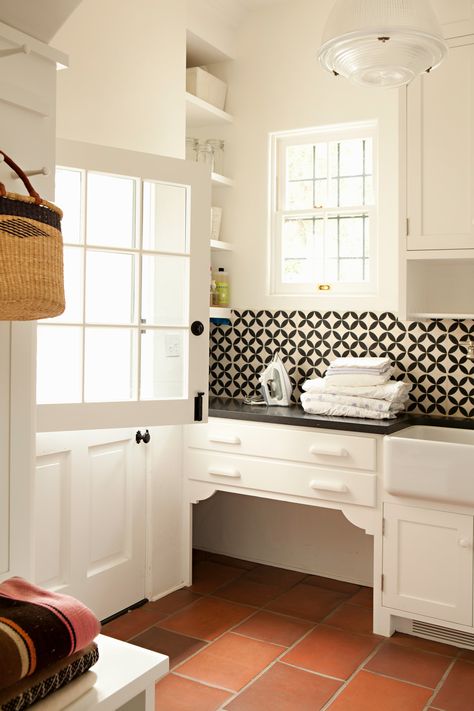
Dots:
(125, 85)
(276, 84)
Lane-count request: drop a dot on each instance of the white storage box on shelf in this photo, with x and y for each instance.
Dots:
(206, 86)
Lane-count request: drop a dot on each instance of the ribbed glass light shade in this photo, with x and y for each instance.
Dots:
(382, 42)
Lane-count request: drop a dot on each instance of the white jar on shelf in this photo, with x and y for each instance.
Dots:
(217, 146)
(191, 148)
(205, 154)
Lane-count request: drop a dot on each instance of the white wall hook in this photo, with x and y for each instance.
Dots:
(30, 173)
(23, 49)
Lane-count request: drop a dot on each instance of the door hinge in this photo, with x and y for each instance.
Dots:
(382, 582)
(383, 527)
(408, 226)
(198, 407)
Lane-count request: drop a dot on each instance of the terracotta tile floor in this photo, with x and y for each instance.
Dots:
(250, 637)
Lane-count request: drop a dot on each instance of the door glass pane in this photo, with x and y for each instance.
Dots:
(165, 290)
(59, 357)
(68, 197)
(164, 364)
(73, 285)
(110, 210)
(165, 217)
(110, 364)
(111, 288)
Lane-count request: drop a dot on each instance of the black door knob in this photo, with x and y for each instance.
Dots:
(145, 438)
(197, 328)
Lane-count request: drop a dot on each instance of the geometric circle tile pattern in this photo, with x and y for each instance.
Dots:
(430, 354)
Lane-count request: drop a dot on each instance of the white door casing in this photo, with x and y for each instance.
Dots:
(427, 563)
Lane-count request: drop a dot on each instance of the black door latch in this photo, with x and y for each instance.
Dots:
(198, 407)
(142, 438)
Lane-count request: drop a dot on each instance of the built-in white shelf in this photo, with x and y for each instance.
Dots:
(424, 317)
(220, 312)
(220, 246)
(201, 113)
(220, 181)
(448, 255)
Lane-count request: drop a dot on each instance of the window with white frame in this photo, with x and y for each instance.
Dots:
(324, 205)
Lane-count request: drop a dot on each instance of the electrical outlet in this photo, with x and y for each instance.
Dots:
(172, 346)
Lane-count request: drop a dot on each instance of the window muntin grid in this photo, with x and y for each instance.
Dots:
(327, 186)
(115, 348)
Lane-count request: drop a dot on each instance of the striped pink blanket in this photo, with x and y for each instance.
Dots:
(38, 628)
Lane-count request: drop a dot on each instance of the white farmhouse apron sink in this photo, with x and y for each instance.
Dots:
(434, 463)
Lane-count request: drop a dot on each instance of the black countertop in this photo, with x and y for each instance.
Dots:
(295, 415)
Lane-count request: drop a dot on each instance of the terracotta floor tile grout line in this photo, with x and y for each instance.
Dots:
(277, 660)
(441, 682)
(346, 683)
(204, 683)
(269, 666)
(163, 619)
(311, 671)
(256, 639)
(397, 678)
(273, 612)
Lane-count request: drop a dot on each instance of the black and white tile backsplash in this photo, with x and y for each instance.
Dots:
(430, 354)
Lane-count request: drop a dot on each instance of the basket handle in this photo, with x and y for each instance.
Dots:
(22, 175)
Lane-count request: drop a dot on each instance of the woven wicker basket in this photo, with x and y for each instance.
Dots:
(31, 254)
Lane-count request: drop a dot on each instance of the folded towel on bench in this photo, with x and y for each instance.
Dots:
(32, 689)
(38, 628)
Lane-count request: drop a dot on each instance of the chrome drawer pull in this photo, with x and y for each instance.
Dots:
(228, 473)
(337, 487)
(336, 452)
(225, 440)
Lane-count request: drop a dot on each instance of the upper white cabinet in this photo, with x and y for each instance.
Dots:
(455, 16)
(440, 154)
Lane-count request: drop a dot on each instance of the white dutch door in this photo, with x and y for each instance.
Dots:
(129, 353)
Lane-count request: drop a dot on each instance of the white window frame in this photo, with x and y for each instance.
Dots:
(279, 142)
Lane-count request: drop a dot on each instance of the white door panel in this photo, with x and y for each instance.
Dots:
(427, 563)
(90, 522)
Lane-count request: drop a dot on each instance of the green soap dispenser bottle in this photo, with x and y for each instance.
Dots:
(222, 288)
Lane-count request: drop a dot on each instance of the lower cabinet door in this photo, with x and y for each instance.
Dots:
(427, 563)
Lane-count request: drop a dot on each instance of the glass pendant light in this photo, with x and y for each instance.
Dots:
(382, 43)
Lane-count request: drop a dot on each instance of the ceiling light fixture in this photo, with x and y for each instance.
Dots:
(382, 43)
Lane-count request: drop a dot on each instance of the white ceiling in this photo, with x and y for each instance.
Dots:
(232, 12)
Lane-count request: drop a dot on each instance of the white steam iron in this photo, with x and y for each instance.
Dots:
(276, 384)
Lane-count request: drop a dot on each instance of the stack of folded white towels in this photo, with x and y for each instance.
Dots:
(356, 387)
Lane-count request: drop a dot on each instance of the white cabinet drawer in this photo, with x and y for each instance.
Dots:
(280, 477)
(328, 449)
